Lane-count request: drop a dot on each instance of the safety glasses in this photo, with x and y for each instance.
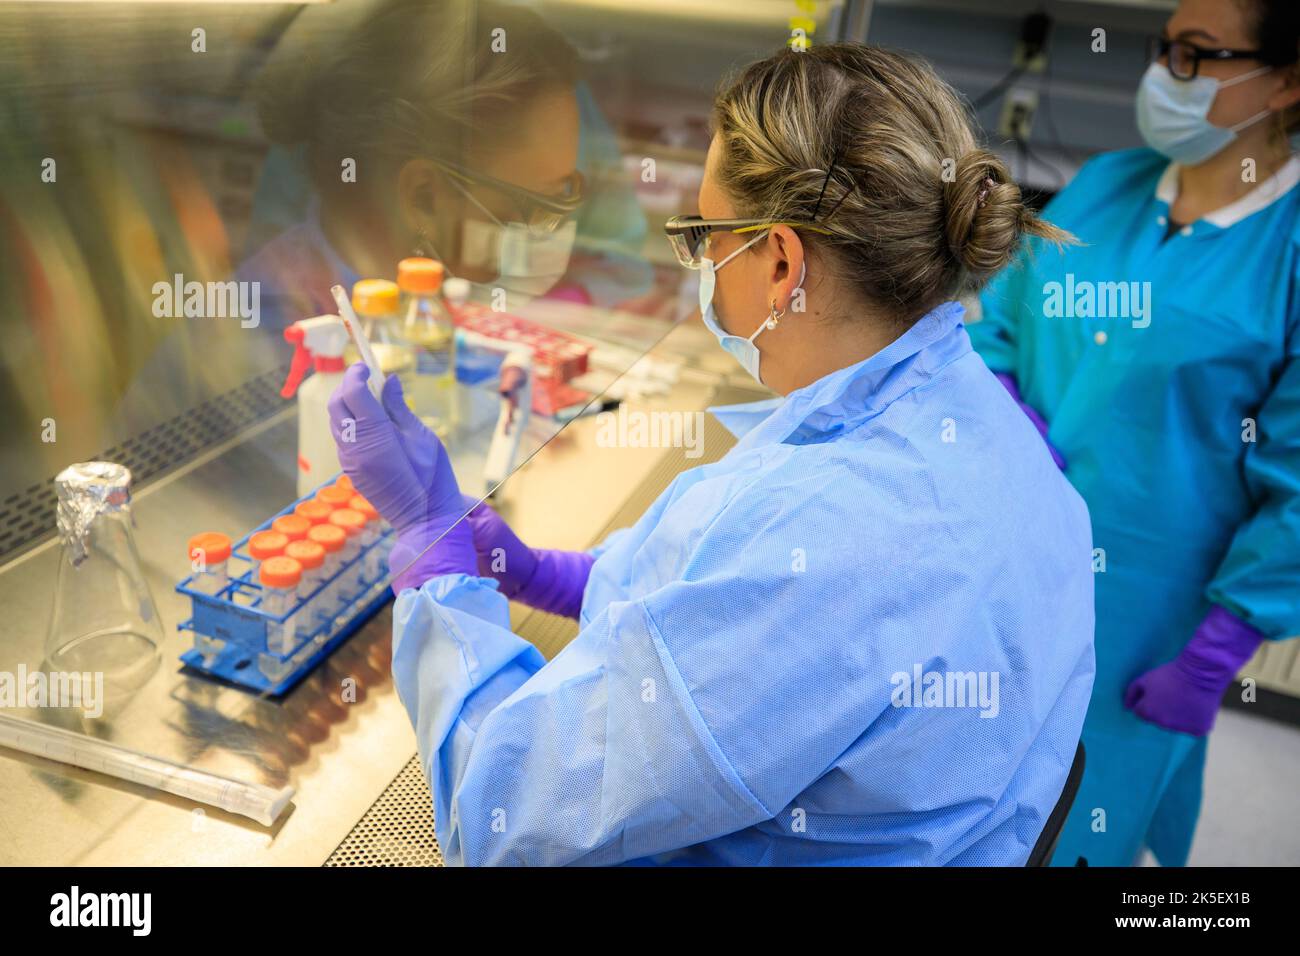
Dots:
(687, 234)
(1184, 59)
(542, 213)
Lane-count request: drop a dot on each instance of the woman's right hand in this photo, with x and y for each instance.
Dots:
(392, 457)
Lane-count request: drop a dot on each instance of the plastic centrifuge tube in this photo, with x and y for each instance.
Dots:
(263, 804)
(372, 566)
(335, 495)
(353, 524)
(280, 577)
(312, 558)
(293, 527)
(209, 552)
(264, 545)
(316, 512)
(332, 538)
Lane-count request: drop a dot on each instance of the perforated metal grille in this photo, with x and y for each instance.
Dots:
(27, 516)
(397, 830)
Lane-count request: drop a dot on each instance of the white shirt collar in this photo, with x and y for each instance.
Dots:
(1262, 196)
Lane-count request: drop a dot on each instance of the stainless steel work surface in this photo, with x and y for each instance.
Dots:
(341, 737)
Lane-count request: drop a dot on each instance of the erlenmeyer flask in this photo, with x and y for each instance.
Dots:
(104, 619)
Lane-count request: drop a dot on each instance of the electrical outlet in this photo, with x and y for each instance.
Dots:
(1031, 49)
(1018, 109)
(1032, 59)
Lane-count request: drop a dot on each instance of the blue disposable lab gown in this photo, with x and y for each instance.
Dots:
(1154, 412)
(730, 695)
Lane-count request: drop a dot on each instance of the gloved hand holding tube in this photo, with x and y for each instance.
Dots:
(1011, 385)
(402, 468)
(1184, 695)
(548, 580)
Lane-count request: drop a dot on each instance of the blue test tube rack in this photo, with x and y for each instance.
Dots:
(230, 627)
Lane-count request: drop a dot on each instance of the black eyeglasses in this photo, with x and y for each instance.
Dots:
(1184, 59)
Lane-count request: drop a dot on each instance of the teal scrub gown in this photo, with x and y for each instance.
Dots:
(1166, 367)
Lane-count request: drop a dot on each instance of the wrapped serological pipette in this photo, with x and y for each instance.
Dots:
(263, 804)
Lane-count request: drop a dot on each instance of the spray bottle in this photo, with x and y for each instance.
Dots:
(319, 342)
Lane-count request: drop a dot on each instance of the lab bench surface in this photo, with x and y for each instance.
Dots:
(341, 737)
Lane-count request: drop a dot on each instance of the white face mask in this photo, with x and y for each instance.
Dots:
(1173, 114)
(525, 263)
(742, 349)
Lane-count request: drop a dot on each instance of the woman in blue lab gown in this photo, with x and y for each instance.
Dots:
(864, 635)
(1163, 353)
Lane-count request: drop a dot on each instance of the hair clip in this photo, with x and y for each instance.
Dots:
(984, 193)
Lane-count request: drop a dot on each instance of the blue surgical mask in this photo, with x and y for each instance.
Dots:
(1173, 114)
(742, 349)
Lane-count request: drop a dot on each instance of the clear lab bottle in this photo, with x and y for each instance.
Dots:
(428, 329)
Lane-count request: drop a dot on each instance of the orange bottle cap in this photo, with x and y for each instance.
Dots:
(353, 522)
(419, 275)
(376, 297)
(281, 572)
(309, 554)
(329, 536)
(357, 503)
(334, 496)
(293, 527)
(314, 511)
(212, 547)
(266, 544)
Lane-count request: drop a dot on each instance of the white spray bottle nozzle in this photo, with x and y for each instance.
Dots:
(324, 335)
(320, 340)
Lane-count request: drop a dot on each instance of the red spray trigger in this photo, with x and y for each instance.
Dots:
(318, 341)
(301, 361)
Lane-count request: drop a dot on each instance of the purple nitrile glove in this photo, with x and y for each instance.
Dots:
(548, 580)
(1184, 694)
(402, 468)
(1010, 384)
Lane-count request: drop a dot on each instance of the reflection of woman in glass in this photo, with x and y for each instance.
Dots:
(449, 130)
